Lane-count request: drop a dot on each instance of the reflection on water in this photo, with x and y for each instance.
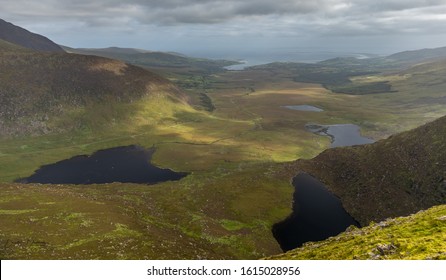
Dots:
(307, 108)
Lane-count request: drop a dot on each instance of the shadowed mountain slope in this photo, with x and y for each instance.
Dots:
(154, 59)
(38, 87)
(22, 37)
(392, 177)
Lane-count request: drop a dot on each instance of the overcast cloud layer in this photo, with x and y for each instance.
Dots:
(258, 25)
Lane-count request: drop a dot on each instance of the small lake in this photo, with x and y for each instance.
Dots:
(237, 67)
(128, 164)
(306, 108)
(317, 214)
(341, 135)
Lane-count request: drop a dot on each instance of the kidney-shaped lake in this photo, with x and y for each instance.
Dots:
(128, 164)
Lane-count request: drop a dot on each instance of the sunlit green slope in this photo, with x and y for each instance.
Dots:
(418, 236)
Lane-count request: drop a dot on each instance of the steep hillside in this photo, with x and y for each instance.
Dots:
(152, 59)
(191, 74)
(419, 236)
(38, 89)
(22, 37)
(6, 46)
(393, 177)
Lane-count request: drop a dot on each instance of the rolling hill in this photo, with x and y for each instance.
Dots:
(350, 75)
(396, 61)
(22, 37)
(153, 59)
(42, 92)
(417, 56)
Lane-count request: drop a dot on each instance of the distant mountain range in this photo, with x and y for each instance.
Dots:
(395, 61)
(423, 55)
(156, 59)
(22, 37)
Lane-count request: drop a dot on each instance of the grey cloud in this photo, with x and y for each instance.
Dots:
(166, 11)
(237, 17)
(394, 5)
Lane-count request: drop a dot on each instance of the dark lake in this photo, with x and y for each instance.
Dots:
(129, 164)
(341, 135)
(317, 214)
(306, 108)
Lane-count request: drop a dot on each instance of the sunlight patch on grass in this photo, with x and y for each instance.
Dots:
(16, 212)
(233, 225)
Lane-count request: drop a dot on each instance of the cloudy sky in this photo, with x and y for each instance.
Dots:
(236, 27)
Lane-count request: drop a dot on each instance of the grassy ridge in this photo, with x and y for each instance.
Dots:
(158, 60)
(416, 237)
(24, 38)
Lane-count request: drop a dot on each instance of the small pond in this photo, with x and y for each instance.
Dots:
(306, 108)
(128, 164)
(341, 135)
(237, 67)
(317, 214)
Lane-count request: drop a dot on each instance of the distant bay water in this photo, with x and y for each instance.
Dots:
(248, 59)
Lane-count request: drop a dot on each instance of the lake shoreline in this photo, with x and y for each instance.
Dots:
(124, 164)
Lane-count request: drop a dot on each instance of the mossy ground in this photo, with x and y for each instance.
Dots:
(205, 215)
(416, 237)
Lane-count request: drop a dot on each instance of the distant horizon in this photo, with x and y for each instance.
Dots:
(244, 54)
(272, 50)
(250, 58)
(237, 29)
(257, 58)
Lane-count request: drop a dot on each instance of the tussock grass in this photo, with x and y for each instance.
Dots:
(419, 236)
